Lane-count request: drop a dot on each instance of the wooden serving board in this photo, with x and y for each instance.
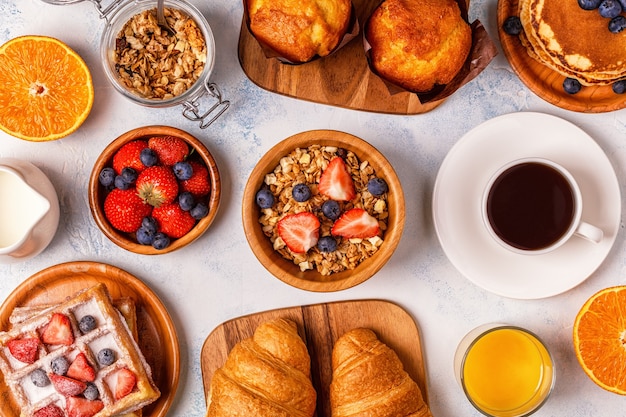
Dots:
(156, 331)
(320, 325)
(341, 79)
(547, 83)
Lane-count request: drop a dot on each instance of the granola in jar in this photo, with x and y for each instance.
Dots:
(335, 225)
(154, 64)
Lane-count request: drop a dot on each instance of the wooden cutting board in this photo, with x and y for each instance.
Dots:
(342, 79)
(320, 325)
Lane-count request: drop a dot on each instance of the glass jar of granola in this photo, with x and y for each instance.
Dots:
(154, 68)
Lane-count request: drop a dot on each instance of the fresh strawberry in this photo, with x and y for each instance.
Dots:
(68, 387)
(58, 331)
(81, 370)
(128, 156)
(24, 350)
(172, 220)
(336, 181)
(157, 185)
(299, 231)
(200, 183)
(355, 223)
(169, 149)
(51, 410)
(125, 383)
(125, 210)
(82, 407)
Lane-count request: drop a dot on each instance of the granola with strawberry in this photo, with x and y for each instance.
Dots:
(324, 209)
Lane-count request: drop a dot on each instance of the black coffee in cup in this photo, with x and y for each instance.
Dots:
(530, 206)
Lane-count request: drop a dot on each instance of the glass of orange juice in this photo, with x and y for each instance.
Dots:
(505, 371)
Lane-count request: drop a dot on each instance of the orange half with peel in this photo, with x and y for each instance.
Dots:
(600, 338)
(46, 89)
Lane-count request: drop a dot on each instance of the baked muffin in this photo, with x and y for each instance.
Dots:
(418, 44)
(298, 30)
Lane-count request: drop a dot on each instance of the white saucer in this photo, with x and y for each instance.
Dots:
(463, 176)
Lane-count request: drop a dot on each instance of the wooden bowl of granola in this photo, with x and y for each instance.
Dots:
(204, 185)
(323, 210)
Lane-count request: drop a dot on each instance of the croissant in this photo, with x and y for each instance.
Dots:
(267, 375)
(369, 380)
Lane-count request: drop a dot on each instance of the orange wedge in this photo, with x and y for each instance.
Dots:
(46, 90)
(600, 338)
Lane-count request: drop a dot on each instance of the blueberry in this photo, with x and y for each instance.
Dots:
(121, 183)
(107, 176)
(619, 87)
(610, 8)
(39, 378)
(144, 236)
(589, 4)
(91, 392)
(327, 244)
(129, 175)
(264, 198)
(331, 209)
(617, 24)
(106, 357)
(377, 186)
(87, 323)
(571, 85)
(183, 170)
(186, 200)
(199, 211)
(512, 25)
(301, 192)
(623, 4)
(59, 365)
(148, 157)
(161, 241)
(150, 224)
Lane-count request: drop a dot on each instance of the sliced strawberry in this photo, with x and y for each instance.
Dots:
(81, 370)
(68, 387)
(170, 149)
(300, 231)
(81, 407)
(58, 331)
(24, 350)
(157, 185)
(51, 410)
(200, 182)
(355, 223)
(125, 210)
(128, 156)
(336, 181)
(125, 383)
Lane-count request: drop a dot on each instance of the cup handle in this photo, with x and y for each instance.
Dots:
(589, 232)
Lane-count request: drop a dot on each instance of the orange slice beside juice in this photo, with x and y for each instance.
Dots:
(600, 338)
(46, 90)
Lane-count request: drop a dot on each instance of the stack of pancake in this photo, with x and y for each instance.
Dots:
(574, 42)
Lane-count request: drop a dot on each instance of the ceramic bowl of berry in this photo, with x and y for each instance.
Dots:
(323, 210)
(154, 189)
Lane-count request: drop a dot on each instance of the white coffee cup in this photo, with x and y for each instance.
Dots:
(534, 206)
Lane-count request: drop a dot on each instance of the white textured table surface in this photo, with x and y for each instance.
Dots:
(218, 278)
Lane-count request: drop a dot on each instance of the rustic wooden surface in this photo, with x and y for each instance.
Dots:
(286, 270)
(157, 336)
(547, 83)
(97, 193)
(341, 79)
(320, 325)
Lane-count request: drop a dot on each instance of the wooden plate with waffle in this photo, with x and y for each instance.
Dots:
(128, 319)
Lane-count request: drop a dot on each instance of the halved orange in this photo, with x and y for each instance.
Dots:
(600, 338)
(46, 90)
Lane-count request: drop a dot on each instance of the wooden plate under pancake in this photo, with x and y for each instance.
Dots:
(547, 83)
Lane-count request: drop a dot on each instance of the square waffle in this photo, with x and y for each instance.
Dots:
(123, 386)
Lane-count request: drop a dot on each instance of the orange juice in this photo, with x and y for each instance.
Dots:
(507, 372)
